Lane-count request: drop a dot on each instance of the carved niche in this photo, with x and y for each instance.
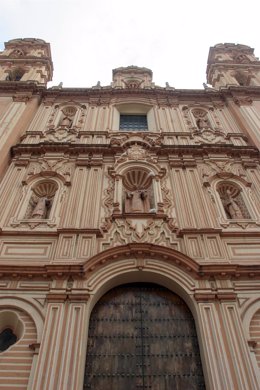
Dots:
(137, 200)
(232, 201)
(229, 188)
(205, 125)
(201, 119)
(65, 123)
(138, 196)
(40, 203)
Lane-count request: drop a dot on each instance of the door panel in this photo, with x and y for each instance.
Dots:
(142, 336)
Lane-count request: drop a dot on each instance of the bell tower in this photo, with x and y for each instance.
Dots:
(27, 60)
(231, 64)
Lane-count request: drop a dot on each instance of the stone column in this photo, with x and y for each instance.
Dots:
(61, 359)
(227, 359)
(118, 195)
(158, 200)
(241, 363)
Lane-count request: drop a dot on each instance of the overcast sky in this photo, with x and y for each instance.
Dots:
(89, 38)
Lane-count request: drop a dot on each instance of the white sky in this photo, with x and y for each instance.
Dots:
(90, 38)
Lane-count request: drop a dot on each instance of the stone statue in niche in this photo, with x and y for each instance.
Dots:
(201, 118)
(66, 122)
(69, 113)
(41, 200)
(202, 123)
(232, 207)
(137, 201)
(41, 208)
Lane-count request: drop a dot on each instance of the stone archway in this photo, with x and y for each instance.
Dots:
(142, 336)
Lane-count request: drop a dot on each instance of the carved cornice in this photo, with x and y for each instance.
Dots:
(156, 95)
(21, 86)
(243, 100)
(176, 151)
(22, 97)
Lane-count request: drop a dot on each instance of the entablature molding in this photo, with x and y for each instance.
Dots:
(40, 149)
(107, 95)
(152, 92)
(136, 251)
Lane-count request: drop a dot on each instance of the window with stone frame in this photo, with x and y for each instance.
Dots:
(132, 122)
(7, 339)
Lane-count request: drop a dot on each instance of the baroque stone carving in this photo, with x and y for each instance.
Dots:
(232, 201)
(137, 201)
(107, 203)
(168, 205)
(153, 139)
(46, 167)
(69, 112)
(201, 117)
(61, 134)
(209, 136)
(243, 100)
(41, 208)
(226, 169)
(140, 230)
(69, 123)
(117, 141)
(138, 191)
(65, 131)
(135, 153)
(41, 200)
(132, 82)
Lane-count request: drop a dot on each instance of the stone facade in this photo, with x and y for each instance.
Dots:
(86, 205)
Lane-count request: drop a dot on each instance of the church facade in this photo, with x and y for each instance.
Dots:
(130, 226)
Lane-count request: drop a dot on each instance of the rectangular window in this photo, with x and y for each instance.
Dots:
(133, 123)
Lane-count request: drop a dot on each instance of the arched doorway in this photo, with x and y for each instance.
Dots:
(142, 336)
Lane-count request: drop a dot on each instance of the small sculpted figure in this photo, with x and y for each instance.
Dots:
(66, 122)
(231, 207)
(137, 201)
(202, 123)
(41, 208)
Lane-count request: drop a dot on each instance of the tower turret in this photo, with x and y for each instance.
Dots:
(231, 64)
(27, 59)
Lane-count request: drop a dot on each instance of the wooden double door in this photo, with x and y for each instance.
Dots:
(142, 336)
